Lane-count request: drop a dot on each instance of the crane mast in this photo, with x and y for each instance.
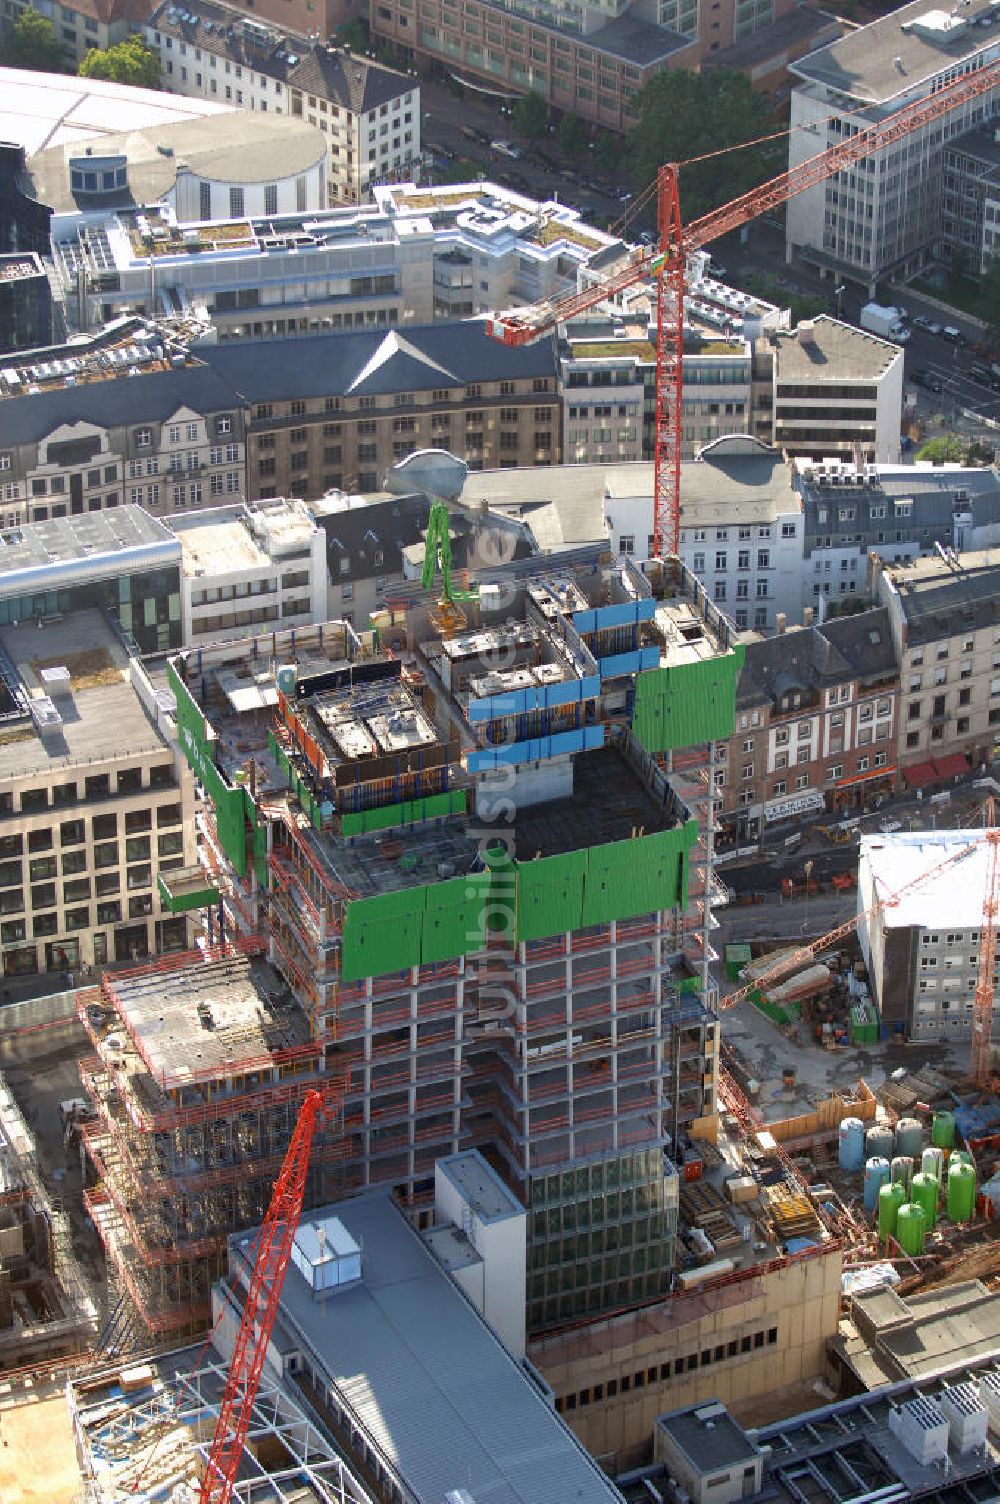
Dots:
(270, 1254)
(667, 265)
(981, 1059)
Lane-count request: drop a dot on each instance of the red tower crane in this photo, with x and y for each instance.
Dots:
(668, 264)
(271, 1254)
(981, 1061)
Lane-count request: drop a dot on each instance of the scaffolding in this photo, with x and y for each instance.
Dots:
(577, 1037)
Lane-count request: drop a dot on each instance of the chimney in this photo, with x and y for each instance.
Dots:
(806, 332)
(807, 616)
(779, 624)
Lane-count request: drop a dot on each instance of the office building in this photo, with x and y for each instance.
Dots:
(25, 302)
(593, 60)
(816, 725)
(970, 202)
(122, 562)
(184, 171)
(358, 795)
(415, 255)
(369, 113)
(826, 388)
(922, 952)
(249, 569)
(883, 216)
(944, 612)
(24, 222)
(94, 801)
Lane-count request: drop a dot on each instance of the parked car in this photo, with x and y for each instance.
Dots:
(921, 321)
(926, 379)
(955, 336)
(507, 149)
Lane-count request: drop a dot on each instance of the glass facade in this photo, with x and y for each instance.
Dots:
(601, 1235)
(147, 604)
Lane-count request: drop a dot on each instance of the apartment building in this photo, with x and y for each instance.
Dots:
(883, 216)
(922, 952)
(69, 444)
(369, 113)
(827, 388)
(94, 804)
(897, 512)
(249, 568)
(944, 612)
(816, 726)
(591, 60)
(412, 256)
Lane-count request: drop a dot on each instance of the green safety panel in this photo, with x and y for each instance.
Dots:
(550, 894)
(410, 812)
(453, 917)
(625, 878)
(183, 903)
(382, 934)
(687, 704)
(233, 805)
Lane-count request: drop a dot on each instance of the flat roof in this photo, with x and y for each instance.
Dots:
(441, 1399)
(200, 1019)
(952, 897)
(40, 110)
(708, 1436)
(480, 1185)
(217, 541)
(837, 352)
(893, 56)
(106, 721)
(239, 147)
(939, 598)
(126, 534)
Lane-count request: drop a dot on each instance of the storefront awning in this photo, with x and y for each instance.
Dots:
(797, 804)
(951, 766)
(843, 783)
(920, 775)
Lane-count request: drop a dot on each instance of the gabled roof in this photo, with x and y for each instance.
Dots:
(355, 82)
(810, 659)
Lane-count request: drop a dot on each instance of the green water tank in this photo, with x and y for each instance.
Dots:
(911, 1228)
(924, 1191)
(961, 1200)
(943, 1130)
(890, 1199)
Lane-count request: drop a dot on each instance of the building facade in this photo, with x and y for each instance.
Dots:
(25, 303)
(883, 216)
(250, 569)
(816, 726)
(944, 612)
(94, 805)
(369, 113)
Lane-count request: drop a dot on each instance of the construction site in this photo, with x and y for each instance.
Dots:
(465, 883)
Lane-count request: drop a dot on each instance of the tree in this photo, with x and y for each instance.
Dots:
(353, 34)
(531, 116)
(570, 135)
(608, 152)
(128, 62)
(31, 43)
(947, 450)
(682, 115)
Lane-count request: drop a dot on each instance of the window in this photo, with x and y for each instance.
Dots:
(626, 543)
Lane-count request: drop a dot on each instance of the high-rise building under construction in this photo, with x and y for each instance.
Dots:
(476, 844)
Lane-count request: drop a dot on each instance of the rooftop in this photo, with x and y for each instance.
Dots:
(953, 896)
(939, 598)
(100, 721)
(350, 80)
(836, 352)
(757, 478)
(443, 1403)
(41, 110)
(217, 541)
(807, 659)
(238, 147)
(21, 266)
(708, 1436)
(897, 53)
(194, 1019)
(480, 1186)
(122, 539)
